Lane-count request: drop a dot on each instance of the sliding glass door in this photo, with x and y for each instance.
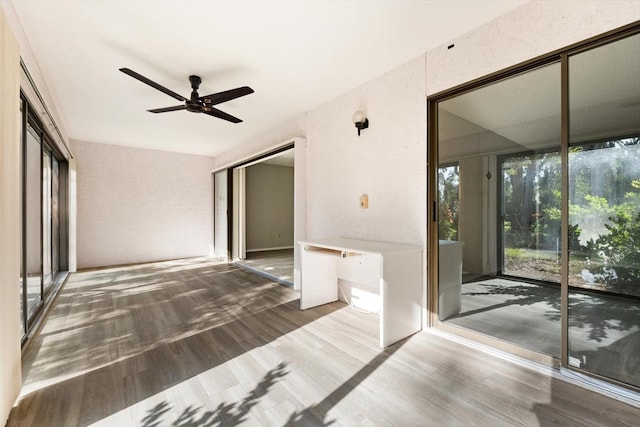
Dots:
(604, 210)
(22, 280)
(47, 250)
(33, 217)
(55, 217)
(537, 209)
(499, 197)
(43, 232)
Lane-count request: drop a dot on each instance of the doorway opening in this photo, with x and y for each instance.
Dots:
(260, 212)
(268, 217)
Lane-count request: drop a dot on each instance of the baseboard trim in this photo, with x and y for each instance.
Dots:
(277, 248)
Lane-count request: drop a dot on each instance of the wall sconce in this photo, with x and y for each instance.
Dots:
(360, 121)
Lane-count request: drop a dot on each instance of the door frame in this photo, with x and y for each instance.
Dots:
(236, 233)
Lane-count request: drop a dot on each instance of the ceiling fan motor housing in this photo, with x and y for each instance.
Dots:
(194, 106)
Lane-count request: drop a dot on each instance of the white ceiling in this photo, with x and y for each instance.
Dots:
(296, 55)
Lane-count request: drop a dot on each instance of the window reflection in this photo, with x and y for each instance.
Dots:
(604, 210)
(33, 220)
(499, 198)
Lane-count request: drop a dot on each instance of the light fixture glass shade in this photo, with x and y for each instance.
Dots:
(358, 117)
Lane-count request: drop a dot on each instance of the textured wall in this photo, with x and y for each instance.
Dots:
(10, 362)
(269, 197)
(387, 162)
(534, 29)
(136, 205)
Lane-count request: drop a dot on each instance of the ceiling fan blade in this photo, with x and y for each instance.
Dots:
(167, 109)
(153, 84)
(227, 95)
(221, 115)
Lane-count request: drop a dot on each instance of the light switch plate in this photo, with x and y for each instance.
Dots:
(364, 201)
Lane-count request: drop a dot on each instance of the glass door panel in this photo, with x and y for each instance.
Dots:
(498, 184)
(46, 220)
(23, 329)
(530, 217)
(604, 210)
(33, 220)
(448, 201)
(55, 217)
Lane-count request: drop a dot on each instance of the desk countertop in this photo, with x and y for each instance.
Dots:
(360, 246)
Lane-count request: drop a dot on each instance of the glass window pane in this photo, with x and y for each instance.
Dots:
(499, 222)
(604, 210)
(449, 201)
(531, 185)
(55, 216)
(22, 283)
(46, 220)
(34, 221)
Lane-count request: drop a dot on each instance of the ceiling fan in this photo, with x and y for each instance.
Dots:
(196, 103)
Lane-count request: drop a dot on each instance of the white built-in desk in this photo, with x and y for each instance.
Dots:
(393, 270)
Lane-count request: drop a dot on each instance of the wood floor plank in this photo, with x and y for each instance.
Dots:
(199, 343)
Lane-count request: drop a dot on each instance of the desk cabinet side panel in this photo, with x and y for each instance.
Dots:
(319, 278)
(401, 311)
(449, 279)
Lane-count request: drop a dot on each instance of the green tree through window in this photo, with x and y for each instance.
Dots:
(449, 203)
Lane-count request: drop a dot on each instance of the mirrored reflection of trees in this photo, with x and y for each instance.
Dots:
(531, 185)
(604, 197)
(531, 197)
(604, 213)
(449, 203)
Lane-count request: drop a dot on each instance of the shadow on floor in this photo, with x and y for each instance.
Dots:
(231, 414)
(142, 331)
(603, 329)
(316, 415)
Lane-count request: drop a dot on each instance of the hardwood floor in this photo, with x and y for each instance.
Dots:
(198, 343)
